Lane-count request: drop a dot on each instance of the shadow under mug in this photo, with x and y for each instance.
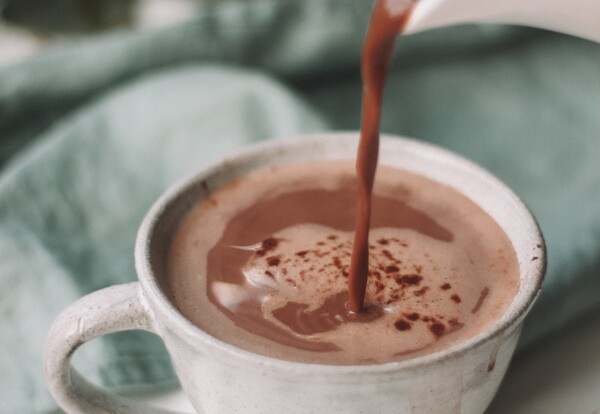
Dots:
(219, 378)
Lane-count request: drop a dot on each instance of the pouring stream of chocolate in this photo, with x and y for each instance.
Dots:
(386, 24)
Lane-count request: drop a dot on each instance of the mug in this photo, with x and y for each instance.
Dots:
(220, 378)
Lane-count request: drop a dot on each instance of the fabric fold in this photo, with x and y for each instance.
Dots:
(70, 206)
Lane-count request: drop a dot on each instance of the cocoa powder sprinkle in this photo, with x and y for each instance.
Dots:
(414, 316)
(402, 325)
(437, 328)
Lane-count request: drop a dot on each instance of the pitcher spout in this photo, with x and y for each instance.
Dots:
(576, 17)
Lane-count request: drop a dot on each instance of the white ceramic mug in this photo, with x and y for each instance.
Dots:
(219, 378)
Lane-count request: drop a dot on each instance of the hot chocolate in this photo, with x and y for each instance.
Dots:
(263, 264)
(282, 264)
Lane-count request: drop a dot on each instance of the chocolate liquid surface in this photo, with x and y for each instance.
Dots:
(264, 262)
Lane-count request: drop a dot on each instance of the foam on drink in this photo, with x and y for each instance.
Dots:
(263, 264)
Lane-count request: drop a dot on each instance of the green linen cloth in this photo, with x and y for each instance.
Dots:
(92, 133)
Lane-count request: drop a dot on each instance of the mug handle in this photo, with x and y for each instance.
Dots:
(113, 309)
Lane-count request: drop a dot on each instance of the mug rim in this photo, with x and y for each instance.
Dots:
(528, 291)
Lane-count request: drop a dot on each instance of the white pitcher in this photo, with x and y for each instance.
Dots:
(576, 17)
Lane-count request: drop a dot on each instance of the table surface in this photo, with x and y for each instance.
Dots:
(558, 376)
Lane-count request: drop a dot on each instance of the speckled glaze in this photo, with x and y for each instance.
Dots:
(221, 379)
